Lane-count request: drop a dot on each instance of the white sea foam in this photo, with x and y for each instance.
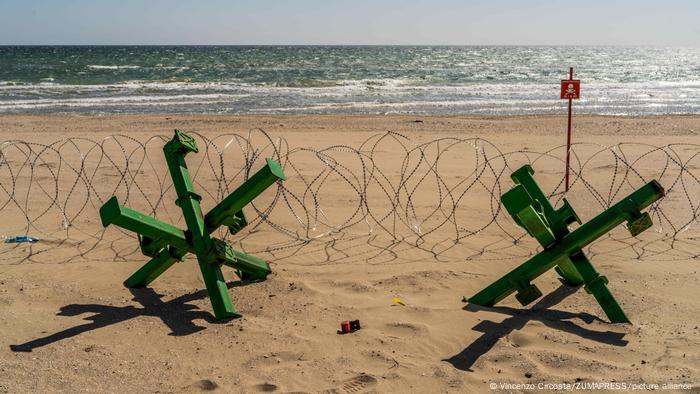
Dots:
(356, 96)
(112, 67)
(122, 101)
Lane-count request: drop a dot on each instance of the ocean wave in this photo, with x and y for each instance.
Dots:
(391, 95)
(236, 105)
(112, 67)
(70, 104)
(126, 100)
(363, 84)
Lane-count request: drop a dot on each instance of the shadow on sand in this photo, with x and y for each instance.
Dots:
(555, 319)
(177, 314)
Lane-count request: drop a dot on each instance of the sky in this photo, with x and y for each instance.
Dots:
(352, 22)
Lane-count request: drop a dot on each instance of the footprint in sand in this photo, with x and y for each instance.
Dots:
(203, 385)
(266, 387)
(402, 329)
(518, 339)
(358, 384)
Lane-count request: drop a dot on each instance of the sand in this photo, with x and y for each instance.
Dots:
(67, 323)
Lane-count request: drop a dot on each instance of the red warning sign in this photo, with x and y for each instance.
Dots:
(570, 88)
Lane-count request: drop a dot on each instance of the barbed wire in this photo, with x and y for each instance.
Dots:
(388, 200)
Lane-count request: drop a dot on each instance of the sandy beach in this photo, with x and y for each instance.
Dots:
(344, 249)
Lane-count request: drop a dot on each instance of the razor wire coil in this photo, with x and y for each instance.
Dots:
(341, 203)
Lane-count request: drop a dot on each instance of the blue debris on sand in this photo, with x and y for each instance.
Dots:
(21, 238)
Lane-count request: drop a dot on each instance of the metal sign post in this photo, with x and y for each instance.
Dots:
(570, 89)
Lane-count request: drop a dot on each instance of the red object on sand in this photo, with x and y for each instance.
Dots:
(349, 326)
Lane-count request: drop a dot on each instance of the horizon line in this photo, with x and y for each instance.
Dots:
(355, 45)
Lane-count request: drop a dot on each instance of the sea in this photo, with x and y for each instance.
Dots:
(440, 80)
